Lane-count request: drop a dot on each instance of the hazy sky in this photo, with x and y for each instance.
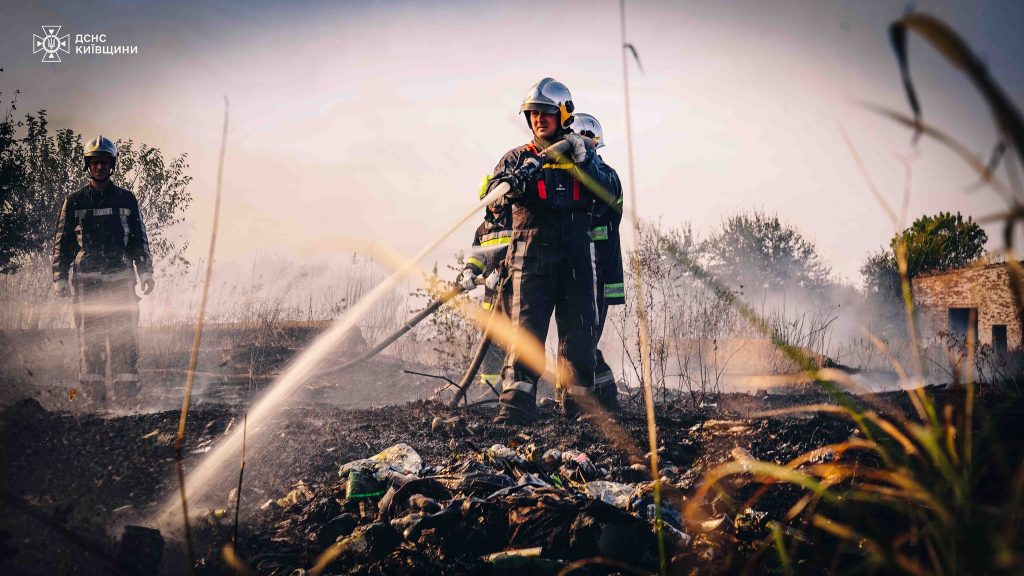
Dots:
(377, 120)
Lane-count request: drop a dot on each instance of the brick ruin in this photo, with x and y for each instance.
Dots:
(977, 298)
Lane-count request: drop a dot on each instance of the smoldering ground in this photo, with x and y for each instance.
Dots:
(93, 474)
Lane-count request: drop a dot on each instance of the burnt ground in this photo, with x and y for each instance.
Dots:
(71, 482)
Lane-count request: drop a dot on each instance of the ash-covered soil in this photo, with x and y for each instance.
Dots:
(71, 482)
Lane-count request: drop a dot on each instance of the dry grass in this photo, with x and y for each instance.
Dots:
(909, 495)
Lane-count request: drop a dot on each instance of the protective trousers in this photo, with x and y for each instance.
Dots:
(107, 315)
(490, 368)
(604, 378)
(564, 286)
(496, 301)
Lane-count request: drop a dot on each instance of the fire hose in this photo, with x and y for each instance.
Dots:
(475, 361)
(409, 325)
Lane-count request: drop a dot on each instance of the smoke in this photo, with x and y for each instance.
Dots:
(703, 343)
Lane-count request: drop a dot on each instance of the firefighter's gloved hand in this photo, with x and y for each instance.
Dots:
(516, 190)
(491, 283)
(147, 284)
(580, 146)
(467, 279)
(60, 288)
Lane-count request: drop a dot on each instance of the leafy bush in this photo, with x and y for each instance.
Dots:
(39, 169)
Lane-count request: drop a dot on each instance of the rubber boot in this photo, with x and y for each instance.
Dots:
(516, 407)
(605, 389)
(608, 396)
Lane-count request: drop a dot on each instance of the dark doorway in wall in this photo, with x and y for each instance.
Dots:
(963, 322)
(999, 339)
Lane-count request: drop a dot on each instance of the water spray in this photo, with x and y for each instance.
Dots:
(180, 439)
(200, 480)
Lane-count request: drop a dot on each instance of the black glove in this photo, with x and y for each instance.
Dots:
(516, 189)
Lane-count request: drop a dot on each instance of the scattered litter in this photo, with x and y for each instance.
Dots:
(751, 523)
(203, 447)
(400, 458)
(299, 495)
(613, 493)
(742, 456)
(711, 525)
(521, 553)
(363, 484)
(519, 509)
(498, 454)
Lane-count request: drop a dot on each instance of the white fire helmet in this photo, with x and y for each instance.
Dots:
(586, 125)
(100, 146)
(549, 96)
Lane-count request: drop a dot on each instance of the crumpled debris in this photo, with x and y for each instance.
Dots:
(743, 456)
(400, 459)
(712, 524)
(613, 493)
(478, 509)
(299, 495)
(641, 503)
(498, 454)
(521, 561)
(503, 509)
(751, 523)
(453, 426)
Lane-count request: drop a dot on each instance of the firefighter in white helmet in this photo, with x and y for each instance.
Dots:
(604, 232)
(99, 246)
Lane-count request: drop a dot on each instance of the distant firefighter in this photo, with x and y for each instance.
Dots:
(101, 243)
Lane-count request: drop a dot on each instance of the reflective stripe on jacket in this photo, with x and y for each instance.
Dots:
(101, 235)
(607, 245)
(556, 205)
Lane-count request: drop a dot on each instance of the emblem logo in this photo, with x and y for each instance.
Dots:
(50, 43)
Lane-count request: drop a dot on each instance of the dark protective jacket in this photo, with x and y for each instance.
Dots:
(550, 261)
(491, 238)
(555, 208)
(607, 245)
(100, 234)
(490, 244)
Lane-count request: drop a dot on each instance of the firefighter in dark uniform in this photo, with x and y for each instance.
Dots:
(604, 232)
(101, 244)
(549, 258)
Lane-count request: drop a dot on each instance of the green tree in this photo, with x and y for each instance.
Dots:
(941, 242)
(40, 169)
(936, 243)
(757, 251)
(14, 216)
(880, 273)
